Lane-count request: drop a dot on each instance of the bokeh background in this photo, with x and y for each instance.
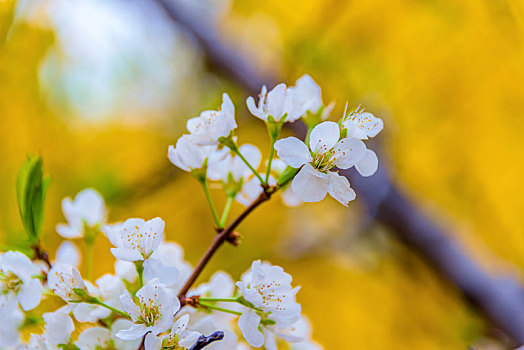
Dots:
(100, 88)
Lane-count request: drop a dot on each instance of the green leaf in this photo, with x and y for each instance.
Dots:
(288, 174)
(31, 190)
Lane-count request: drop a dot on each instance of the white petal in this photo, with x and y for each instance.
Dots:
(94, 338)
(227, 105)
(68, 253)
(19, 264)
(310, 185)
(129, 306)
(154, 268)
(126, 254)
(324, 137)
(68, 232)
(339, 188)
(276, 100)
(348, 152)
(248, 323)
(30, 294)
(251, 106)
(58, 328)
(134, 332)
(368, 165)
(293, 152)
(152, 342)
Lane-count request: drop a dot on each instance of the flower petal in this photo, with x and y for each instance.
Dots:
(324, 137)
(310, 185)
(126, 254)
(348, 152)
(339, 188)
(368, 165)
(152, 342)
(30, 294)
(293, 152)
(248, 323)
(134, 332)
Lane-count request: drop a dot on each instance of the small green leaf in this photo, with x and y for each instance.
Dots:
(31, 190)
(288, 174)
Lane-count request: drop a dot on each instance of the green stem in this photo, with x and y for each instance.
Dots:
(217, 308)
(218, 300)
(250, 166)
(140, 271)
(89, 258)
(115, 310)
(210, 201)
(226, 211)
(270, 160)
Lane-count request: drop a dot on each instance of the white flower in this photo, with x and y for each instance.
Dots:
(325, 151)
(96, 338)
(368, 165)
(178, 338)
(278, 102)
(289, 198)
(188, 155)
(58, 327)
(20, 276)
(151, 311)
(171, 257)
(268, 288)
(68, 253)
(126, 270)
(211, 125)
(62, 279)
(234, 167)
(88, 209)
(36, 342)
(258, 333)
(307, 93)
(136, 239)
(10, 318)
(362, 125)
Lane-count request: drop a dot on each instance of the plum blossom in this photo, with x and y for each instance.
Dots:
(362, 125)
(20, 277)
(307, 93)
(276, 103)
(68, 253)
(86, 212)
(171, 254)
(314, 179)
(179, 337)
(11, 318)
(58, 327)
(63, 279)
(188, 155)
(211, 125)
(236, 175)
(135, 239)
(269, 288)
(151, 310)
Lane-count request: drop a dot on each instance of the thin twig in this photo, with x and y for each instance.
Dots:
(219, 240)
(41, 254)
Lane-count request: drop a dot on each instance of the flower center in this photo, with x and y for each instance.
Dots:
(323, 161)
(150, 313)
(11, 282)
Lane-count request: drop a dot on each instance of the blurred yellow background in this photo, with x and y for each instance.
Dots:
(447, 77)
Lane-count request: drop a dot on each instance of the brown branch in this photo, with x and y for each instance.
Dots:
(501, 300)
(40, 254)
(220, 238)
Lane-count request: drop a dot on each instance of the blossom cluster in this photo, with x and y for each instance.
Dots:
(211, 151)
(150, 301)
(138, 302)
